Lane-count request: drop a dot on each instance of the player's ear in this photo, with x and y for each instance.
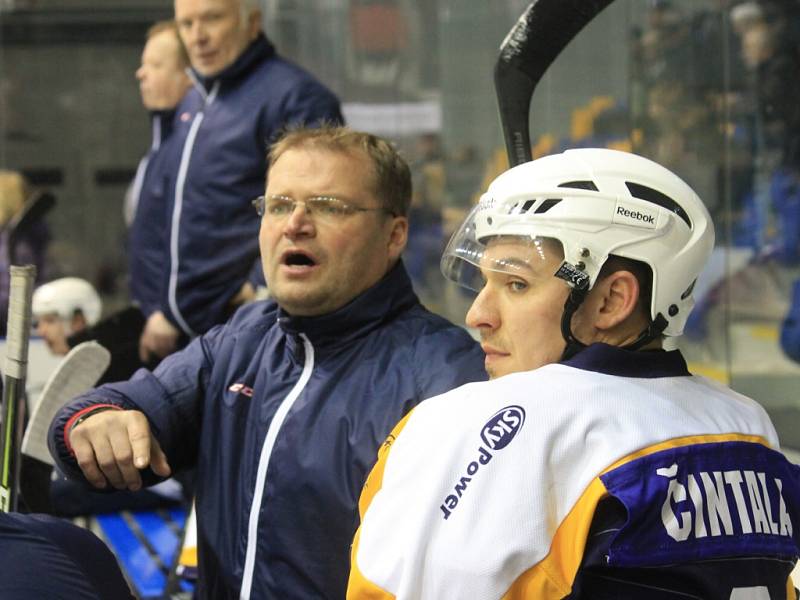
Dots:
(613, 299)
(398, 236)
(254, 24)
(78, 321)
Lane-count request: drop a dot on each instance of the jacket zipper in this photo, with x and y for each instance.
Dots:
(263, 465)
(188, 146)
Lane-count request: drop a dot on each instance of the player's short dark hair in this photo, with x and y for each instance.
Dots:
(392, 181)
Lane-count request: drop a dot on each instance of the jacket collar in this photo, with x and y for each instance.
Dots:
(162, 122)
(602, 358)
(259, 50)
(380, 303)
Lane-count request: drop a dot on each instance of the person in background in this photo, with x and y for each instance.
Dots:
(63, 307)
(66, 312)
(162, 83)
(244, 95)
(24, 236)
(283, 408)
(593, 464)
(60, 309)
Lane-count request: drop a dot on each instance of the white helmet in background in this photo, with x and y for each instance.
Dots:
(64, 297)
(596, 202)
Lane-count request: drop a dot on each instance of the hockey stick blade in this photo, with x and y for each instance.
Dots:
(531, 46)
(76, 373)
(19, 328)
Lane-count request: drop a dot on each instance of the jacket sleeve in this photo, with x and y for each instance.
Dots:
(306, 103)
(171, 398)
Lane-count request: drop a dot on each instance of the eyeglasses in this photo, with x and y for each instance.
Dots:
(328, 208)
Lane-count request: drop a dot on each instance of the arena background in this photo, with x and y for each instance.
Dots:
(693, 84)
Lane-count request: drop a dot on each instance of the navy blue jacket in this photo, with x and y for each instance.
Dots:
(283, 417)
(147, 241)
(224, 126)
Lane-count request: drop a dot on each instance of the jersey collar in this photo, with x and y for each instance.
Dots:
(602, 358)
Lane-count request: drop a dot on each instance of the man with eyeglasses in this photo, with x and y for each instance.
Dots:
(243, 95)
(283, 408)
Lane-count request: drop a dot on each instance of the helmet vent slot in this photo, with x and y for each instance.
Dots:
(688, 291)
(547, 205)
(648, 194)
(580, 185)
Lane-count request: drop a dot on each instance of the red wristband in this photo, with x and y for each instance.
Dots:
(82, 415)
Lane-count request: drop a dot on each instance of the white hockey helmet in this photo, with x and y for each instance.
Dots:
(64, 297)
(596, 202)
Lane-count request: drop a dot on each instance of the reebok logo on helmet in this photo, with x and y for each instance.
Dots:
(634, 216)
(486, 202)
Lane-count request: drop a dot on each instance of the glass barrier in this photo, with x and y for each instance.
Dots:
(703, 87)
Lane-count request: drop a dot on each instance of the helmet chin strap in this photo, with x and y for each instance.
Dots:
(653, 330)
(574, 300)
(576, 297)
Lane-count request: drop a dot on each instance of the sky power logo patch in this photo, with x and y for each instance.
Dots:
(498, 432)
(502, 427)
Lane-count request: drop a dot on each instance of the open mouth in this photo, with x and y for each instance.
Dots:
(298, 259)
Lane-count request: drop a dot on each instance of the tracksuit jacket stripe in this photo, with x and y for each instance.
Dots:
(263, 465)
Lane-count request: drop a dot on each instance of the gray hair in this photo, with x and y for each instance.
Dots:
(247, 7)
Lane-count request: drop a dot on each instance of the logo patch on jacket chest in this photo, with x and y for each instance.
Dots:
(240, 388)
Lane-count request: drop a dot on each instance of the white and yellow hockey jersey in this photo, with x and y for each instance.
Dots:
(614, 475)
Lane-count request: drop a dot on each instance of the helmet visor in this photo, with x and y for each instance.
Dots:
(466, 258)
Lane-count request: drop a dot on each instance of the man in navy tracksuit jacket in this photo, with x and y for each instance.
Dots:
(243, 96)
(283, 408)
(163, 82)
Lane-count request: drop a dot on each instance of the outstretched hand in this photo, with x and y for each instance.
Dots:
(112, 446)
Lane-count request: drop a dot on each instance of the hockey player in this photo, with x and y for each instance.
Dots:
(63, 307)
(593, 465)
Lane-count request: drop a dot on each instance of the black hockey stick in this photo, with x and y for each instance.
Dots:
(35, 207)
(19, 329)
(534, 42)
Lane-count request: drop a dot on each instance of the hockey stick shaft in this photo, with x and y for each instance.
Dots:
(16, 366)
(531, 46)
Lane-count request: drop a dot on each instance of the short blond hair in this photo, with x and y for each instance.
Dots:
(247, 8)
(171, 26)
(392, 177)
(14, 191)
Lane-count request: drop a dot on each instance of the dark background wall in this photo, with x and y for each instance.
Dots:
(71, 119)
